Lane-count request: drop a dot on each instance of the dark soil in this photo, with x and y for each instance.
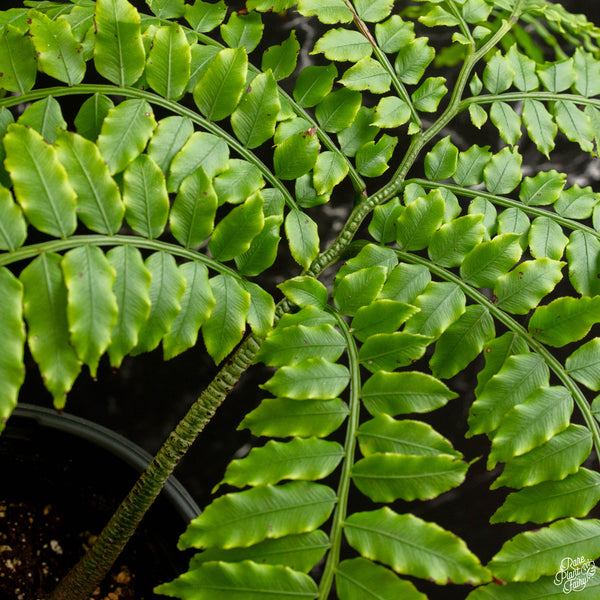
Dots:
(38, 545)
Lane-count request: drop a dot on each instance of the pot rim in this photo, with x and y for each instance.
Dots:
(113, 442)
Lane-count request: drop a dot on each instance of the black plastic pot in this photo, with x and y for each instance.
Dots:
(60, 462)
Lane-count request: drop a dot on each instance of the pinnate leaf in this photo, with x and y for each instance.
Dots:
(166, 288)
(303, 237)
(266, 511)
(219, 580)
(403, 393)
(196, 305)
(40, 182)
(298, 459)
(529, 555)
(280, 417)
(414, 547)
(12, 330)
(125, 133)
(131, 288)
(118, 49)
(45, 309)
(226, 324)
(91, 303)
(309, 379)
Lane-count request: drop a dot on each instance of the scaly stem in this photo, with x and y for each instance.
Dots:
(87, 574)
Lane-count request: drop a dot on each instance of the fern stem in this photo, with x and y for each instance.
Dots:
(520, 96)
(461, 22)
(85, 576)
(339, 515)
(553, 363)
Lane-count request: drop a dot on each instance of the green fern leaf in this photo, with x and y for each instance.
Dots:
(453, 241)
(564, 320)
(289, 345)
(554, 460)
(544, 413)
(405, 283)
(583, 363)
(99, 204)
(540, 125)
(313, 84)
(45, 116)
(507, 121)
(343, 44)
(574, 496)
(234, 233)
(220, 88)
(296, 155)
(338, 110)
(45, 309)
(261, 314)
(131, 288)
(243, 30)
(544, 188)
(197, 303)
(254, 119)
(226, 324)
(503, 173)
(358, 289)
(529, 555)
(305, 291)
(262, 252)
(201, 150)
(166, 289)
(304, 459)
(205, 16)
(309, 379)
(169, 60)
(367, 74)
(166, 9)
(240, 181)
(303, 237)
(393, 34)
(278, 417)
(244, 518)
(58, 52)
(281, 59)
(247, 580)
(413, 59)
(145, 197)
(125, 133)
(428, 95)
(300, 552)
(361, 579)
(385, 434)
(441, 161)
(403, 393)
(462, 342)
(583, 254)
(118, 49)
(91, 304)
(380, 316)
(168, 139)
(412, 546)
(519, 376)
(13, 228)
(488, 261)
(91, 115)
(521, 290)
(575, 124)
(390, 351)
(419, 220)
(440, 305)
(546, 239)
(328, 11)
(194, 208)
(388, 477)
(12, 330)
(40, 182)
(17, 61)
